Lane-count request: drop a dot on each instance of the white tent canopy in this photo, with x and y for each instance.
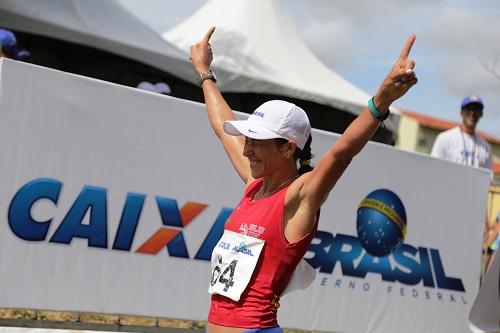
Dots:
(256, 40)
(101, 24)
(257, 49)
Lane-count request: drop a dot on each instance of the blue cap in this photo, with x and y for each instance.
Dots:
(8, 42)
(472, 99)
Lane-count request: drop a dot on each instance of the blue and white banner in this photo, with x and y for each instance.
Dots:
(111, 200)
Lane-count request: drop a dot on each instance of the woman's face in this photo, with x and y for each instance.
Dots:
(265, 156)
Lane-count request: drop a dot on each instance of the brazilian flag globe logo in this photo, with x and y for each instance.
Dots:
(381, 222)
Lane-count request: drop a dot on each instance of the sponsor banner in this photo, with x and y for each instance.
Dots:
(113, 198)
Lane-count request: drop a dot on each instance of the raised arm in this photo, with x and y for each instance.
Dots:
(217, 109)
(332, 165)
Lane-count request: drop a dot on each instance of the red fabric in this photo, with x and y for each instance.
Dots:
(257, 307)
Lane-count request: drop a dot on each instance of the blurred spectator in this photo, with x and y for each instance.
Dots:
(160, 87)
(461, 144)
(492, 240)
(9, 47)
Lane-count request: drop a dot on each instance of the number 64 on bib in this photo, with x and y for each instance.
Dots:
(234, 259)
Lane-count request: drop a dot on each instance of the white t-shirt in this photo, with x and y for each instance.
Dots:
(459, 147)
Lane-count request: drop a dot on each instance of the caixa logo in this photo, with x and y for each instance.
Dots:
(94, 201)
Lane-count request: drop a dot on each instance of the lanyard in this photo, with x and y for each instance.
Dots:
(465, 150)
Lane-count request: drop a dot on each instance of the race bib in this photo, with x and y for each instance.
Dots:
(234, 259)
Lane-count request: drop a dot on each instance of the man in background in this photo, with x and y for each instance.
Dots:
(461, 144)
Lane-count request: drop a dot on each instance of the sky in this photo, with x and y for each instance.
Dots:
(457, 50)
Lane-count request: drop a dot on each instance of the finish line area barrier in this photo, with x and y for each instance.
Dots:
(94, 175)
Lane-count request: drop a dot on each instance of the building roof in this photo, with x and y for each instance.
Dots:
(496, 167)
(443, 125)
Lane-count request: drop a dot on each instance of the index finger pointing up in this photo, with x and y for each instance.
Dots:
(407, 47)
(206, 39)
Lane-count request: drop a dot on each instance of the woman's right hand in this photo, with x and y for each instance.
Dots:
(201, 53)
(399, 80)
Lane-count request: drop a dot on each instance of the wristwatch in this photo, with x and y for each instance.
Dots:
(210, 75)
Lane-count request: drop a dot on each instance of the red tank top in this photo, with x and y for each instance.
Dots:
(263, 219)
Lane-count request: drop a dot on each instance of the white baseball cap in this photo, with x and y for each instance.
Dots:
(271, 120)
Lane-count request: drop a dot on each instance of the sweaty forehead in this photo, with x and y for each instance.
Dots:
(266, 143)
(248, 139)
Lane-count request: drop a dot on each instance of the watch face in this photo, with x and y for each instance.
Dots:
(210, 75)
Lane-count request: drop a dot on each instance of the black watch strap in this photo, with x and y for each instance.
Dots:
(206, 76)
